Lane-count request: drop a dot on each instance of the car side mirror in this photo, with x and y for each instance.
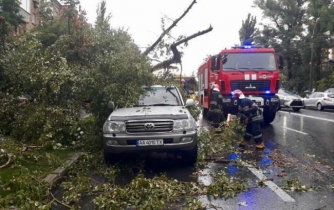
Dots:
(111, 105)
(190, 102)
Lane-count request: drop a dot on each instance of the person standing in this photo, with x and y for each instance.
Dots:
(251, 116)
(216, 103)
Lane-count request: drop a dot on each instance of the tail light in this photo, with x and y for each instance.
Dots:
(327, 99)
(277, 85)
(222, 85)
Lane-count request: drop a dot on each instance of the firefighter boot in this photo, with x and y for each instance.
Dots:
(260, 146)
(242, 143)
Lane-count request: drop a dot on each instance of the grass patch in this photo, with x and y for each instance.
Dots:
(36, 162)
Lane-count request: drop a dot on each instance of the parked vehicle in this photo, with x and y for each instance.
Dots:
(290, 100)
(329, 90)
(319, 100)
(160, 122)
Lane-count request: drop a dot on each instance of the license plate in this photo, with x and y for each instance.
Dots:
(150, 142)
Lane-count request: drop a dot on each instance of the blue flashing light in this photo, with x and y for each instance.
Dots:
(232, 92)
(247, 46)
(267, 92)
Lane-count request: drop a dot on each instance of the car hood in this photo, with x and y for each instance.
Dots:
(150, 112)
(289, 96)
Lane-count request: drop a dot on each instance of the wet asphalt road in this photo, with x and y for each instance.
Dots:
(298, 145)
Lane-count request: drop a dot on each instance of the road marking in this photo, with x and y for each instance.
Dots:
(295, 130)
(281, 193)
(302, 115)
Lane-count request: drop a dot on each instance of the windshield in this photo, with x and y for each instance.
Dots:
(251, 61)
(285, 92)
(160, 96)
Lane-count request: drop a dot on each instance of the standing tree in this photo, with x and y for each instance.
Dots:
(248, 32)
(286, 26)
(9, 18)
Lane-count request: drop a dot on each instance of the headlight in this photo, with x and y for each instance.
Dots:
(186, 124)
(287, 99)
(113, 127)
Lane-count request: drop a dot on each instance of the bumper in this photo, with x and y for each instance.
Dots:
(128, 143)
(271, 102)
(293, 104)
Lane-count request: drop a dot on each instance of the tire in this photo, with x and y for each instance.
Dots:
(320, 107)
(268, 116)
(205, 112)
(190, 157)
(296, 109)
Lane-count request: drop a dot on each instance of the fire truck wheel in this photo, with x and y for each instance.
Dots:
(205, 112)
(268, 117)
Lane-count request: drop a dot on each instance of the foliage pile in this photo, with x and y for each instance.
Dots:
(222, 141)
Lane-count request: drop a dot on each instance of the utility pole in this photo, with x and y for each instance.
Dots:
(311, 62)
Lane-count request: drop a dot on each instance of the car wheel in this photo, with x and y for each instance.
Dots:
(296, 109)
(319, 107)
(190, 157)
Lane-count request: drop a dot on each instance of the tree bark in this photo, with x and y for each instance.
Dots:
(176, 54)
(164, 33)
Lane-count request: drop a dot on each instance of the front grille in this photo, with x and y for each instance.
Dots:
(250, 85)
(149, 126)
(296, 103)
(133, 142)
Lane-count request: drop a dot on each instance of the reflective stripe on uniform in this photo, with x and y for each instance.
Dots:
(246, 108)
(257, 118)
(248, 134)
(213, 102)
(258, 136)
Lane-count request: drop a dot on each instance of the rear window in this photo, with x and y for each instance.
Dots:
(331, 95)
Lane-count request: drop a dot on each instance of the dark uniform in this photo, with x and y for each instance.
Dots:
(215, 111)
(249, 110)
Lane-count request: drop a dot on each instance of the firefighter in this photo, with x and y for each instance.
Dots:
(216, 102)
(251, 116)
(185, 86)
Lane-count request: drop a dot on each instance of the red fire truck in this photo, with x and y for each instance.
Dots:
(252, 69)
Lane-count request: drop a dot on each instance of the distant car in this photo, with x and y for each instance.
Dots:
(320, 100)
(329, 90)
(289, 100)
(160, 122)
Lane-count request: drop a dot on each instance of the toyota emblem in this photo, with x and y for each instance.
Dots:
(149, 126)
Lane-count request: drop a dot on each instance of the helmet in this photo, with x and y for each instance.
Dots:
(238, 94)
(215, 87)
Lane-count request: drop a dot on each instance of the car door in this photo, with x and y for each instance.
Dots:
(316, 99)
(308, 101)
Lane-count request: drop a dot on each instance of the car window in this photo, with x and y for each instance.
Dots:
(321, 95)
(159, 96)
(284, 92)
(312, 95)
(330, 95)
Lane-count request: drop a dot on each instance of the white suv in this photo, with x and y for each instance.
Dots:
(160, 122)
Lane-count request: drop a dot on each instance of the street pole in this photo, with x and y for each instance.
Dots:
(311, 62)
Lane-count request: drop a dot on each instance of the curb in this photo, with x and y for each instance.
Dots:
(56, 176)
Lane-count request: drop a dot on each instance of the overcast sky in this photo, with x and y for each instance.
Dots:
(142, 19)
